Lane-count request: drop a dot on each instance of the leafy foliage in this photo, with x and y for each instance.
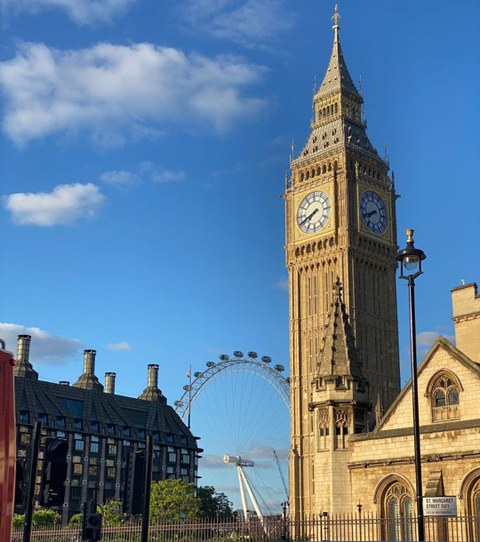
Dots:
(75, 520)
(214, 504)
(112, 513)
(18, 521)
(174, 499)
(45, 518)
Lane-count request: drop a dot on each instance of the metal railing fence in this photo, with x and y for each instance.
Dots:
(338, 528)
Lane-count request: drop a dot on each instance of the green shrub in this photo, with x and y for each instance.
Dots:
(18, 521)
(45, 518)
(75, 520)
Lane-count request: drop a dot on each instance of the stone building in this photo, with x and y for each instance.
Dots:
(102, 428)
(381, 470)
(351, 424)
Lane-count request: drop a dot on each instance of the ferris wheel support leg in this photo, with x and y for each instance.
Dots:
(242, 492)
(252, 498)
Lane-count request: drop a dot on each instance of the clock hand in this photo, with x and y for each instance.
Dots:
(308, 217)
(371, 213)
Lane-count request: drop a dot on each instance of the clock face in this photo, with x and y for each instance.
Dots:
(373, 211)
(313, 212)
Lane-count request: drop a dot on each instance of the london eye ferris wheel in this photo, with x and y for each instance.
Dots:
(240, 407)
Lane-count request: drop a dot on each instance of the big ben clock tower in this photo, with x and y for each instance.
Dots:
(340, 254)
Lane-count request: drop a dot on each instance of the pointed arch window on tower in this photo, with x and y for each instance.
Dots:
(341, 423)
(323, 430)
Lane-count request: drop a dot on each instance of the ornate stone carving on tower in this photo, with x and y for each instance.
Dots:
(340, 235)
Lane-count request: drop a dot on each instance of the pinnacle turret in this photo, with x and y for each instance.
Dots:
(339, 357)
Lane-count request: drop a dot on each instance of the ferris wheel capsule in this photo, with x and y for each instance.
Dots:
(266, 359)
(252, 355)
(210, 363)
(178, 403)
(279, 368)
(196, 374)
(238, 354)
(224, 357)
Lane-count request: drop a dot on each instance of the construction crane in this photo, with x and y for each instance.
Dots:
(285, 487)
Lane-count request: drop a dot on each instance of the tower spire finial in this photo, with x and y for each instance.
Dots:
(336, 17)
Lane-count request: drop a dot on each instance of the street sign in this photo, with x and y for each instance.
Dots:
(440, 506)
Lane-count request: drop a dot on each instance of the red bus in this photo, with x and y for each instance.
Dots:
(7, 442)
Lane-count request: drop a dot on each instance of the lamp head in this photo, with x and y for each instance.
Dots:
(410, 259)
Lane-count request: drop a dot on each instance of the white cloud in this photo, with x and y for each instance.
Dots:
(212, 461)
(120, 178)
(66, 204)
(161, 175)
(114, 92)
(120, 346)
(426, 339)
(282, 284)
(250, 23)
(80, 11)
(44, 347)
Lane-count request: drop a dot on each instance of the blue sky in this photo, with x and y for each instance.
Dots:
(144, 149)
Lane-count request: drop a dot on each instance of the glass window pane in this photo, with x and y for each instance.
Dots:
(453, 397)
(439, 398)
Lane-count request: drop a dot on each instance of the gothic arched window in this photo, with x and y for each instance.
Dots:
(475, 509)
(398, 508)
(445, 397)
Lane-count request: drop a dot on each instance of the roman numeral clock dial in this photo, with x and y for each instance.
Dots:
(373, 212)
(313, 212)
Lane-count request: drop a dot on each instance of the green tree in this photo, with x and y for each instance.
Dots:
(111, 513)
(45, 518)
(174, 499)
(214, 504)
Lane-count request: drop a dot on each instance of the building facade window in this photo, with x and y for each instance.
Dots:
(470, 490)
(43, 418)
(398, 510)
(77, 424)
(445, 398)
(60, 421)
(94, 426)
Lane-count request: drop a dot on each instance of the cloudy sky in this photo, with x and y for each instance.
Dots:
(144, 149)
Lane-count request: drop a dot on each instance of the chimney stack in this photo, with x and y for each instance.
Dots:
(23, 367)
(152, 381)
(88, 380)
(110, 382)
(89, 362)
(23, 348)
(151, 392)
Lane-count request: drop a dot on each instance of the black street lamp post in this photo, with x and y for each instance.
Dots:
(410, 259)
